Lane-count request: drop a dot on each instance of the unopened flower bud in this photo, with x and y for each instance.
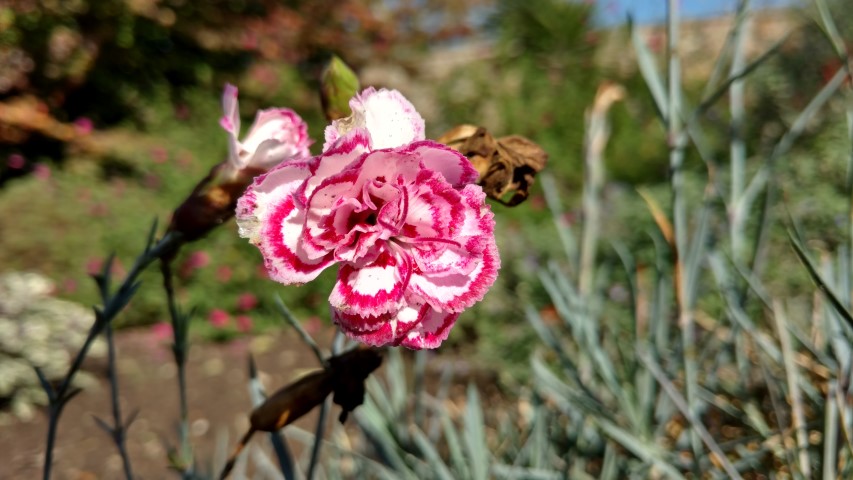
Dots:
(337, 85)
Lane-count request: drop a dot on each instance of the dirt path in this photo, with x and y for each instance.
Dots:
(218, 401)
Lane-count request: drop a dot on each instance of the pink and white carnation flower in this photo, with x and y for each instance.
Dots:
(402, 216)
(276, 135)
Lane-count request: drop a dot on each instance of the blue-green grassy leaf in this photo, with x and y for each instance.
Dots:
(291, 319)
(474, 436)
(648, 451)
(439, 469)
(649, 69)
(454, 445)
(373, 423)
(821, 284)
(564, 230)
(511, 472)
(396, 379)
(571, 399)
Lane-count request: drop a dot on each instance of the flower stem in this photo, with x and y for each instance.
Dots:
(337, 346)
(119, 429)
(180, 350)
(113, 304)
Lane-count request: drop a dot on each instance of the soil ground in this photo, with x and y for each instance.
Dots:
(218, 402)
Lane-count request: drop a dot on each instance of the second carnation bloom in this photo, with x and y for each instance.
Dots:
(403, 217)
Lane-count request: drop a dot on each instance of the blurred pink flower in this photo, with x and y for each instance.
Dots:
(41, 171)
(152, 181)
(159, 155)
(161, 331)
(218, 318)
(196, 260)
(313, 325)
(99, 209)
(83, 126)
(16, 161)
(94, 266)
(185, 159)
(182, 111)
(261, 272)
(246, 302)
(119, 186)
(403, 217)
(84, 194)
(244, 323)
(69, 285)
(223, 273)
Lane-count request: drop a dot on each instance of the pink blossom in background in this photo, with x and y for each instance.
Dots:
(119, 186)
(16, 161)
(95, 265)
(261, 272)
(161, 332)
(182, 111)
(402, 216)
(218, 318)
(246, 302)
(159, 155)
(152, 181)
(99, 209)
(69, 285)
(313, 325)
(223, 273)
(84, 194)
(244, 323)
(277, 134)
(185, 159)
(196, 260)
(41, 171)
(83, 126)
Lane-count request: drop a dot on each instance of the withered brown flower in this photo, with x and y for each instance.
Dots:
(507, 165)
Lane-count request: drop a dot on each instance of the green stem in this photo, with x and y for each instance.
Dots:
(180, 349)
(112, 307)
(119, 432)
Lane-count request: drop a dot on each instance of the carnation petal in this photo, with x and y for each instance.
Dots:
(432, 329)
(230, 122)
(375, 289)
(282, 125)
(389, 117)
(455, 168)
(456, 289)
(230, 107)
(268, 215)
(378, 331)
(280, 243)
(334, 160)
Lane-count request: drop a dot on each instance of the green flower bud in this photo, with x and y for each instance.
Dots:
(337, 85)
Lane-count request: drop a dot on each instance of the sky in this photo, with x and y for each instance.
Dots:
(654, 11)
